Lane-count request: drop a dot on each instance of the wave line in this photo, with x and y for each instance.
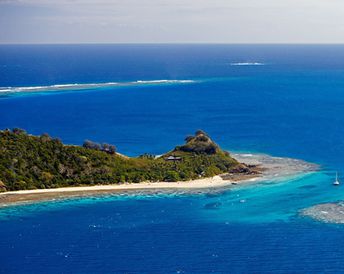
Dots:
(76, 86)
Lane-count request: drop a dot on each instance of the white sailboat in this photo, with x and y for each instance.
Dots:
(336, 182)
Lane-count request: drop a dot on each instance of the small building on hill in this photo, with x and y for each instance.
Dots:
(173, 158)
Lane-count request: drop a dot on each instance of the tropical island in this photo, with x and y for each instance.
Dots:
(40, 162)
(33, 165)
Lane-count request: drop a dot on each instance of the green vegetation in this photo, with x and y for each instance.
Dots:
(200, 144)
(32, 162)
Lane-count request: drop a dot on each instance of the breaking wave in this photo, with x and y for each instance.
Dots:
(69, 87)
(247, 64)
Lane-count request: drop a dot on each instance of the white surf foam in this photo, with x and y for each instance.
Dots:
(247, 64)
(77, 86)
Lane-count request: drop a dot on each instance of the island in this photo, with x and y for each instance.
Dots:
(41, 167)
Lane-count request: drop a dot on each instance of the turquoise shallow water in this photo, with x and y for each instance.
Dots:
(291, 106)
(177, 232)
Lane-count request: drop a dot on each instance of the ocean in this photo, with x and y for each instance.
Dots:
(282, 100)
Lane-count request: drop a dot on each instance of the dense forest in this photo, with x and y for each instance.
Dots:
(32, 162)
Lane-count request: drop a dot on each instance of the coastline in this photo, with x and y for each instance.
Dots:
(268, 167)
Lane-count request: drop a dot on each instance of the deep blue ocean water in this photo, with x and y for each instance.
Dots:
(290, 104)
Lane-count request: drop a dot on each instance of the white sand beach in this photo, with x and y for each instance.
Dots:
(271, 168)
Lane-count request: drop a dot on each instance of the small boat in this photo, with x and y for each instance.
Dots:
(336, 182)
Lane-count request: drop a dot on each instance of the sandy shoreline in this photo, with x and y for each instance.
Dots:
(270, 168)
(29, 196)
